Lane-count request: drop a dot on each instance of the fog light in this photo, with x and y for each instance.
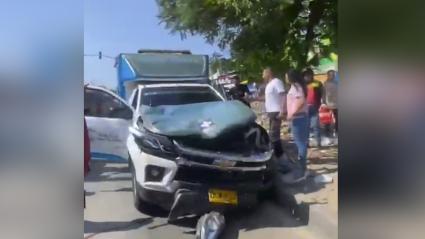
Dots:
(154, 173)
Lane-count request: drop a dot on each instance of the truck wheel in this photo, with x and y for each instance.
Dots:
(141, 205)
(137, 201)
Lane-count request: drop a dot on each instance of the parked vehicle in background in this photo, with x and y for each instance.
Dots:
(108, 117)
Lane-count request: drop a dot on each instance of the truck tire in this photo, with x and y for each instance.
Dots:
(141, 205)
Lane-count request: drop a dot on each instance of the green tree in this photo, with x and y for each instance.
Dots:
(277, 33)
(219, 63)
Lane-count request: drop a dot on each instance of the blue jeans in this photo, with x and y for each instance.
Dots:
(300, 132)
(313, 114)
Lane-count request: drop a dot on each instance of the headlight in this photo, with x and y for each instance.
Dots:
(153, 143)
(150, 143)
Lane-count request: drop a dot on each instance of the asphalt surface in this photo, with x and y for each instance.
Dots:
(110, 214)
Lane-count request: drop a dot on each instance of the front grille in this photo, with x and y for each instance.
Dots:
(250, 164)
(197, 159)
(210, 161)
(215, 176)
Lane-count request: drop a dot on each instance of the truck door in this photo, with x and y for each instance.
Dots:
(108, 118)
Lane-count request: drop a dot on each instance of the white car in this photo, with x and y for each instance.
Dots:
(190, 150)
(108, 117)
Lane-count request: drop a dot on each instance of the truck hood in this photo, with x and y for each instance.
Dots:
(205, 120)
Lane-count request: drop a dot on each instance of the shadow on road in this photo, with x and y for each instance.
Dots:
(187, 222)
(99, 172)
(153, 211)
(324, 160)
(118, 190)
(269, 214)
(278, 210)
(324, 170)
(88, 194)
(102, 227)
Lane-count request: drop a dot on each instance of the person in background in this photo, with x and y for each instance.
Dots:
(239, 91)
(298, 116)
(275, 106)
(314, 100)
(259, 96)
(331, 96)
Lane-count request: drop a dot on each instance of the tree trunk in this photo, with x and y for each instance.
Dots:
(317, 8)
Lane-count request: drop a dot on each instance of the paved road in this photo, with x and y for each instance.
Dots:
(110, 214)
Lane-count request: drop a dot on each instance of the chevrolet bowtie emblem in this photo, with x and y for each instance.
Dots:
(224, 163)
(206, 124)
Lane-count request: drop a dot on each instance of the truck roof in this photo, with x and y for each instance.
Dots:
(153, 66)
(164, 51)
(160, 66)
(174, 85)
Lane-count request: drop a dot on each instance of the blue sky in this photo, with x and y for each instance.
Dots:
(117, 26)
(33, 31)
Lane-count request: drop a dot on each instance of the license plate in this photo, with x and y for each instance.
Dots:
(223, 196)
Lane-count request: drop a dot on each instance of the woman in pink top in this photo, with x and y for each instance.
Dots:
(298, 116)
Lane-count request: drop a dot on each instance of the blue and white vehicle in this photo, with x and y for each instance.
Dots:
(108, 117)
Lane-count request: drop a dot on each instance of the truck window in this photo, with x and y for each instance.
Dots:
(178, 95)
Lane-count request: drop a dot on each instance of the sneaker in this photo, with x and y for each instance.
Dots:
(292, 178)
(312, 143)
(300, 176)
(308, 173)
(288, 178)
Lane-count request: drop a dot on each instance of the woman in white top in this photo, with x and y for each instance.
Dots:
(298, 116)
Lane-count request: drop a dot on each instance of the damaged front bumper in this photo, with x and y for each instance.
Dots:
(198, 178)
(193, 172)
(217, 160)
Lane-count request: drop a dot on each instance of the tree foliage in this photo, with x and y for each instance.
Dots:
(276, 33)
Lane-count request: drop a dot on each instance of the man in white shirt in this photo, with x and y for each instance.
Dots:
(275, 104)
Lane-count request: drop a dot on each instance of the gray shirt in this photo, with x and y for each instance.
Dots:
(331, 94)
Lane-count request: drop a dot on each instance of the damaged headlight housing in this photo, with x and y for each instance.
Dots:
(150, 143)
(155, 144)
